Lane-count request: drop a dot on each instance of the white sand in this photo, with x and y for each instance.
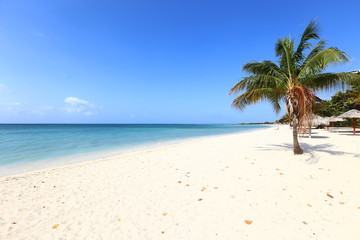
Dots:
(203, 189)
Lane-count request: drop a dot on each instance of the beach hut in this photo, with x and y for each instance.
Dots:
(336, 120)
(353, 114)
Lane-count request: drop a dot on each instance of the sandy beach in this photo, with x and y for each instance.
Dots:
(239, 186)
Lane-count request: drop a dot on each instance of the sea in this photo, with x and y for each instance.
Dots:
(28, 147)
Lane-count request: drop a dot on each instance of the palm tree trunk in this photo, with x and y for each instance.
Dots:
(297, 148)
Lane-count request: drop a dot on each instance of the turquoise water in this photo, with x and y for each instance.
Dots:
(27, 144)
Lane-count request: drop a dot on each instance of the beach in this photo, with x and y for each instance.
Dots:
(237, 186)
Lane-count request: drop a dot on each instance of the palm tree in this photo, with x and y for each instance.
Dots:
(298, 73)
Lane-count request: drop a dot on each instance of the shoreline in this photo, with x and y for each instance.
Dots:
(239, 186)
(50, 163)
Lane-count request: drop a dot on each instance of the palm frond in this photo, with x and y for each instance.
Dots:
(330, 81)
(318, 48)
(284, 49)
(275, 102)
(254, 96)
(311, 32)
(257, 81)
(321, 60)
(354, 80)
(264, 67)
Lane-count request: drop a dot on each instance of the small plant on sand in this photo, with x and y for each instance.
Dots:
(294, 78)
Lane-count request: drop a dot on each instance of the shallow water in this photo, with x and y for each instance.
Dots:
(41, 144)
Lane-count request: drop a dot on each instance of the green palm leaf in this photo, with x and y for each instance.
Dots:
(330, 81)
(265, 67)
(320, 61)
(310, 33)
(256, 95)
(284, 49)
(257, 81)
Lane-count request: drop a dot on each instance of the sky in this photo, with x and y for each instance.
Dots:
(142, 61)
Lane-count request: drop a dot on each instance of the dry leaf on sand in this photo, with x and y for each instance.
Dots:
(329, 195)
(248, 222)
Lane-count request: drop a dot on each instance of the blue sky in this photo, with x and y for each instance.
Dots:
(143, 61)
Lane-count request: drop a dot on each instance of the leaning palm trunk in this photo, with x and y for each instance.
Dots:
(296, 108)
(299, 102)
(297, 148)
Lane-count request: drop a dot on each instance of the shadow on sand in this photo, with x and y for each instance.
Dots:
(349, 133)
(310, 149)
(326, 148)
(314, 136)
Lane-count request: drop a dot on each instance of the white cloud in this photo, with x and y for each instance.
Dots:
(77, 105)
(2, 87)
(76, 101)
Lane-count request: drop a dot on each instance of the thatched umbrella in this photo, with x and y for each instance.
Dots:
(353, 114)
(336, 119)
(316, 121)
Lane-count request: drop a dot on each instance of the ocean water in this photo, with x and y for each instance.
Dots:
(25, 147)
